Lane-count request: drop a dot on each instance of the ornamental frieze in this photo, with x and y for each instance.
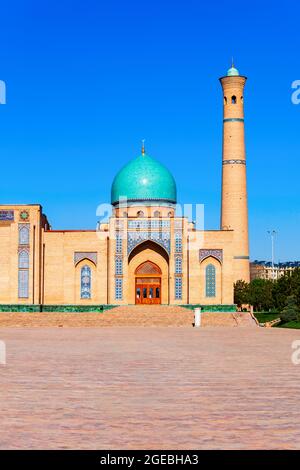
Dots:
(7, 215)
(80, 255)
(215, 253)
(148, 224)
(135, 238)
(234, 162)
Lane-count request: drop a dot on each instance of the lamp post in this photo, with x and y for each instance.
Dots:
(272, 234)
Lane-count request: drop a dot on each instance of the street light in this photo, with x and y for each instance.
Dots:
(272, 234)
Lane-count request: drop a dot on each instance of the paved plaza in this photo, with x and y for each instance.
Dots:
(147, 388)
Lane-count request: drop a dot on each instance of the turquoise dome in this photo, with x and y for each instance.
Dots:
(232, 72)
(144, 179)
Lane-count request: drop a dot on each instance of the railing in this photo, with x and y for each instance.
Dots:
(271, 323)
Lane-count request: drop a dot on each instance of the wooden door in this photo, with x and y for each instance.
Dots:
(148, 291)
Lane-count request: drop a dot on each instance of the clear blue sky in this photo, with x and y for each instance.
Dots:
(87, 80)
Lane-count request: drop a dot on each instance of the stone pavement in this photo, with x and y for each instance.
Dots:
(147, 388)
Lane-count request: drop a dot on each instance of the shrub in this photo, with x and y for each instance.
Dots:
(290, 311)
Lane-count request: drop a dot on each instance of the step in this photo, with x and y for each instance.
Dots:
(149, 316)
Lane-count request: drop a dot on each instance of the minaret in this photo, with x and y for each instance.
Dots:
(234, 212)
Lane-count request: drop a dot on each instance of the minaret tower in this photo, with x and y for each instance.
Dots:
(234, 212)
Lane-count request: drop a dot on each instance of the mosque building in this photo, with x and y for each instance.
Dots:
(145, 253)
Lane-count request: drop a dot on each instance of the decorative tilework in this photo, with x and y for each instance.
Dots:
(148, 224)
(85, 282)
(178, 264)
(210, 281)
(216, 253)
(90, 255)
(24, 233)
(23, 259)
(24, 215)
(233, 120)
(23, 284)
(234, 162)
(118, 288)
(118, 266)
(178, 288)
(178, 242)
(7, 216)
(119, 242)
(135, 238)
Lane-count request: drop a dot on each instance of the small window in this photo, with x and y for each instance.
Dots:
(210, 275)
(119, 266)
(119, 243)
(140, 214)
(178, 265)
(85, 284)
(178, 242)
(178, 288)
(23, 275)
(225, 100)
(156, 214)
(119, 289)
(24, 259)
(23, 284)
(23, 234)
(233, 99)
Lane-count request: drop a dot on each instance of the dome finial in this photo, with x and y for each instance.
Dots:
(232, 72)
(143, 147)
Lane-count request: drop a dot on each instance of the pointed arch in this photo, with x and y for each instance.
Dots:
(24, 234)
(148, 268)
(86, 258)
(24, 259)
(210, 279)
(150, 258)
(215, 253)
(153, 245)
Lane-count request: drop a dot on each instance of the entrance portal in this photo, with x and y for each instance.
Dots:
(148, 284)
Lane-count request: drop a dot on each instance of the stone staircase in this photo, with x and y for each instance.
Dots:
(245, 319)
(131, 315)
(153, 315)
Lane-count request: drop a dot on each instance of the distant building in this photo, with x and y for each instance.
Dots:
(264, 269)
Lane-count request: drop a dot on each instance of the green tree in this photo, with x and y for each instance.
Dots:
(295, 285)
(286, 286)
(260, 294)
(291, 310)
(281, 290)
(241, 293)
